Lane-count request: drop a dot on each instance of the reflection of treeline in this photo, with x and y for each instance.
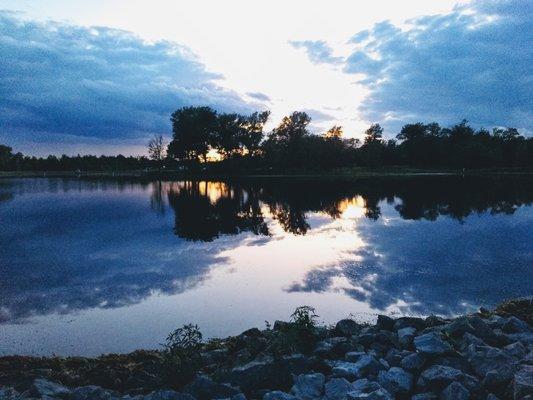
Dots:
(204, 139)
(204, 210)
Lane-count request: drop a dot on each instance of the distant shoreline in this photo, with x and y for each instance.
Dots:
(348, 173)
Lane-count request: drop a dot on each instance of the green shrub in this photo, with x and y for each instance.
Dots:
(182, 354)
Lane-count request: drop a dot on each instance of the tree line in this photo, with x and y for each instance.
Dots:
(204, 139)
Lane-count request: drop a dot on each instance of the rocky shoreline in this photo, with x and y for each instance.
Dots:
(486, 355)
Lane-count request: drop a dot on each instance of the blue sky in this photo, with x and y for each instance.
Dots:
(103, 76)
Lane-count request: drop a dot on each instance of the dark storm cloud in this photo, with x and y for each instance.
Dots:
(474, 62)
(67, 83)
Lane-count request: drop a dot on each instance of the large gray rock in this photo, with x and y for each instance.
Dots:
(486, 358)
(516, 350)
(354, 356)
(413, 362)
(278, 395)
(404, 322)
(337, 389)
(437, 377)
(8, 393)
(203, 388)
(432, 344)
(396, 380)
(385, 322)
(459, 327)
(166, 395)
(334, 347)
(365, 385)
(379, 394)
(523, 382)
(366, 365)
(347, 327)
(308, 386)
(515, 325)
(406, 336)
(46, 388)
(455, 391)
(424, 396)
(92, 392)
(268, 373)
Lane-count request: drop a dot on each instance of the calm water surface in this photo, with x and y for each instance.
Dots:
(92, 266)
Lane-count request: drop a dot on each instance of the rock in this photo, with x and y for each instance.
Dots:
(43, 387)
(406, 336)
(335, 347)
(438, 377)
(269, 373)
(424, 396)
(459, 327)
(481, 328)
(469, 339)
(91, 392)
(432, 344)
(523, 382)
(166, 395)
(367, 364)
(457, 362)
(380, 394)
(516, 350)
(203, 388)
(455, 391)
(365, 385)
(526, 338)
(404, 322)
(347, 327)
(252, 332)
(277, 395)
(413, 362)
(495, 380)
(515, 325)
(485, 358)
(8, 393)
(337, 389)
(384, 322)
(366, 339)
(433, 321)
(309, 386)
(354, 356)
(496, 322)
(396, 380)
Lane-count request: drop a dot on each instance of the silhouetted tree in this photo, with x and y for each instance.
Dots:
(193, 129)
(156, 148)
(334, 132)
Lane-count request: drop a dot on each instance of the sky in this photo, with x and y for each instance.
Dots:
(104, 76)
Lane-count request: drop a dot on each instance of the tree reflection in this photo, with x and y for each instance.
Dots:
(206, 210)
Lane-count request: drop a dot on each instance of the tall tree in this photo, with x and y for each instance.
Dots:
(156, 148)
(5, 156)
(193, 129)
(252, 133)
(374, 134)
(291, 128)
(335, 132)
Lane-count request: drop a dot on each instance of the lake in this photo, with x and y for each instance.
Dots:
(98, 266)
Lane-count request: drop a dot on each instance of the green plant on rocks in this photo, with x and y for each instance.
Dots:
(297, 336)
(182, 354)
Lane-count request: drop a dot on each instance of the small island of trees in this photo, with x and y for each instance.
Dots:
(206, 140)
